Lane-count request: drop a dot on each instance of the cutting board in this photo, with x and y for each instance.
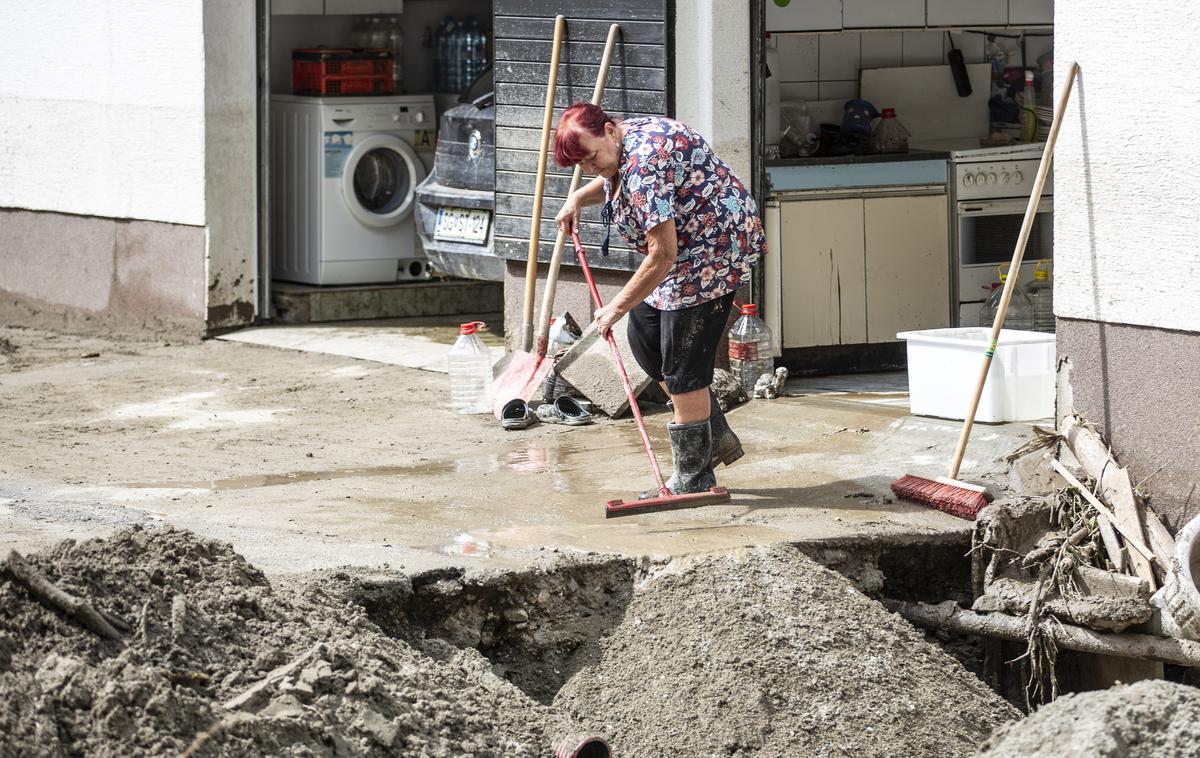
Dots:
(926, 101)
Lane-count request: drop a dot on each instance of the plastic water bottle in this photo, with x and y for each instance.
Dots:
(1041, 294)
(750, 348)
(470, 365)
(1020, 309)
(395, 43)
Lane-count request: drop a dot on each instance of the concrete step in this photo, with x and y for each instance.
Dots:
(303, 303)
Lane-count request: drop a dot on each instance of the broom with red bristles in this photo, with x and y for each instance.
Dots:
(947, 493)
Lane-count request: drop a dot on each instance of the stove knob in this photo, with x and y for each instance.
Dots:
(968, 180)
(1018, 177)
(1005, 177)
(981, 179)
(991, 178)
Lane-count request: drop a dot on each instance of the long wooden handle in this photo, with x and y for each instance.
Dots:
(535, 222)
(1014, 268)
(549, 292)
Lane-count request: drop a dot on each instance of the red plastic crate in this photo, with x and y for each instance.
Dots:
(341, 71)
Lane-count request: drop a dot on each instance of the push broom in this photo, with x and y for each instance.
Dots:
(947, 493)
(666, 500)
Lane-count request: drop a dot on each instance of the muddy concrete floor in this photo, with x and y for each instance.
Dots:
(306, 461)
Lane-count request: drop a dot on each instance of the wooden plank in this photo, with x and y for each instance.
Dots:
(908, 265)
(822, 268)
(614, 101)
(526, 160)
(519, 182)
(615, 10)
(589, 233)
(528, 116)
(632, 32)
(508, 204)
(537, 51)
(580, 75)
(515, 249)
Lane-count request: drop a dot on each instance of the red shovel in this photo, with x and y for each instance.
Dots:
(666, 501)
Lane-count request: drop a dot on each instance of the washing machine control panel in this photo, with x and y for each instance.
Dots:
(396, 117)
(384, 116)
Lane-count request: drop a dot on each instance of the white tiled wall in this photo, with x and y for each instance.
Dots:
(826, 66)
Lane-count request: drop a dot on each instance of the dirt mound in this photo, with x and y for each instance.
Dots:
(1142, 720)
(206, 626)
(768, 653)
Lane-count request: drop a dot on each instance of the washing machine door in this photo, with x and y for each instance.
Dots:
(380, 178)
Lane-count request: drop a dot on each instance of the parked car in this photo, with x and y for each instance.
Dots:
(456, 203)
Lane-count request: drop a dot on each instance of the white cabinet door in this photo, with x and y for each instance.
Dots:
(907, 265)
(356, 7)
(822, 276)
(297, 7)
(803, 15)
(967, 12)
(1030, 12)
(873, 14)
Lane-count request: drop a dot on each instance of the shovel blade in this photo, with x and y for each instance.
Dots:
(524, 376)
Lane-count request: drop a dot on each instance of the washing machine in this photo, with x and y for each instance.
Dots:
(343, 187)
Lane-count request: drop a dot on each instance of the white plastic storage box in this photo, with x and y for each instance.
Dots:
(944, 364)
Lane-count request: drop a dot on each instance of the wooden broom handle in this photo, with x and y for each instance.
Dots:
(548, 294)
(535, 222)
(1014, 268)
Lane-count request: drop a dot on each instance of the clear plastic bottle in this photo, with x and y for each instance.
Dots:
(1041, 294)
(395, 43)
(750, 348)
(890, 136)
(1029, 119)
(1020, 310)
(470, 365)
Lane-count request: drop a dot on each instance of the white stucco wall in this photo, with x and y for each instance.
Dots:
(712, 77)
(1126, 178)
(102, 108)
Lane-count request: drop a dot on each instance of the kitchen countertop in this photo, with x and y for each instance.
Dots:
(850, 160)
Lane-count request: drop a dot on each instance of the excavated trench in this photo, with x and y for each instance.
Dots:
(539, 628)
(761, 651)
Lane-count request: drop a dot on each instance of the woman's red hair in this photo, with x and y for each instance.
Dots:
(578, 119)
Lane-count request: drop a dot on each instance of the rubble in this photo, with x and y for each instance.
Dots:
(1143, 720)
(767, 653)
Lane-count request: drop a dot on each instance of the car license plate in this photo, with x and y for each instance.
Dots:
(462, 225)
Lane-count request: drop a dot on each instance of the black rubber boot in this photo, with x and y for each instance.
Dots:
(726, 447)
(691, 449)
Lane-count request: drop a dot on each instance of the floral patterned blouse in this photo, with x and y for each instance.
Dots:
(668, 172)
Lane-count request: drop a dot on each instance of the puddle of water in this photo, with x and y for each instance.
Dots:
(432, 468)
(465, 544)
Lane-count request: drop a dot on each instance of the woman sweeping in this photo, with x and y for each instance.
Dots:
(682, 207)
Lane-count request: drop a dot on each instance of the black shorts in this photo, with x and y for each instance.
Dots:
(679, 347)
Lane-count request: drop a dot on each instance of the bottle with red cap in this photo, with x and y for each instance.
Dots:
(750, 348)
(470, 367)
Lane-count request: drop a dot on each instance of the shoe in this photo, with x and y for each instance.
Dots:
(691, 451)
(726, 447)
(564, 410)
(516, 415)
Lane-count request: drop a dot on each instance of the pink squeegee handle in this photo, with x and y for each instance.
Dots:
(612, 343)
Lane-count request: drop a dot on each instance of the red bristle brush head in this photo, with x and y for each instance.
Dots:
(957, 501)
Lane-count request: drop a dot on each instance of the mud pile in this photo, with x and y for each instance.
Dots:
(1142, 720)
(205, 626)
(768, 653)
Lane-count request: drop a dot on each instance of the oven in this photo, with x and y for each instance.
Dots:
(987, 211)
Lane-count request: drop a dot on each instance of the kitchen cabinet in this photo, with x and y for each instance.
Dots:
(857, 270)
(804, 15)
(907, 264)
(873, 14)
(822, 273)
(967, 12)
(1031, 12)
